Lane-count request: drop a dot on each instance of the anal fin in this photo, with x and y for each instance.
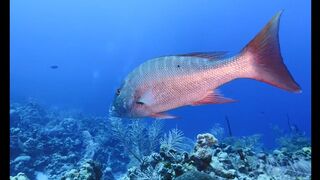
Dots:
(162, 116)
(213, 98)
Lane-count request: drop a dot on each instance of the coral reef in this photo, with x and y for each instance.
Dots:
(45, 141)
(210, 160)
(45, 144)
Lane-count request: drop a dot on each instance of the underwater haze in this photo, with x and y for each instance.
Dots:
(73, 55)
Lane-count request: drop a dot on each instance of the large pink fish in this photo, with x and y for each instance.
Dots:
(168, 82)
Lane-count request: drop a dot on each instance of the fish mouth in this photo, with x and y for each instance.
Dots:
(117, 110)
(113, 112)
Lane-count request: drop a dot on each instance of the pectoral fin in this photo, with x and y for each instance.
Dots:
(213, 98)
(147, 98)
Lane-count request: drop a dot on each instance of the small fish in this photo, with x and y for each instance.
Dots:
(293, 127)
(169, 82)
(54, 67)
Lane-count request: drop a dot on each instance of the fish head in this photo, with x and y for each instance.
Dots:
(122, 102)
(126, 103)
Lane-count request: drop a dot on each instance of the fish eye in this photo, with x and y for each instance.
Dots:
(139, 102)
(118, 92)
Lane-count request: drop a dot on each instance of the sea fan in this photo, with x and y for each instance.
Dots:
(154, 132)
(300, 168)
(218, 131)
(137, 137)
(176, 140)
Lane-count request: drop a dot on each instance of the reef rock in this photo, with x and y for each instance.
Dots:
(89, 170)
(203, 151)
(205, 141)
(19, 176)
(192, 175)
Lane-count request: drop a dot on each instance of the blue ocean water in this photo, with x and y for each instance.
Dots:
(95, 44)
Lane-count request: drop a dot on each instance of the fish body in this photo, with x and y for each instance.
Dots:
(168, 82)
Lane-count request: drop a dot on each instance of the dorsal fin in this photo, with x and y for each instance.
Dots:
(209, 55)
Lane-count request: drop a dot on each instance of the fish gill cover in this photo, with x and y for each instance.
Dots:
(69, 58)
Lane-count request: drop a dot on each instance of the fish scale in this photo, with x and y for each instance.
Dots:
(182, 84)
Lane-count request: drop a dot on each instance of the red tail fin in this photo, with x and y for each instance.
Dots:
(264, 53)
